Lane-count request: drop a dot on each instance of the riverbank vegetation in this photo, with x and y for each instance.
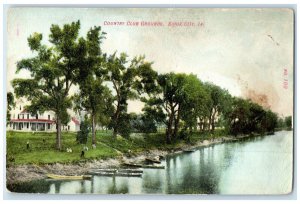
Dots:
(42, 146)
(178, 107)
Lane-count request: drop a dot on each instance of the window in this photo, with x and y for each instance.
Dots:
(20, 108)
(27, 125)
(18, 116)
(48, 126)
(68, 127)
(22, 116)
(48, 117)
(36, 116)
(27, 116)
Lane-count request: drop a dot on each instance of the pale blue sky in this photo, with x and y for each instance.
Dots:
(242, 50)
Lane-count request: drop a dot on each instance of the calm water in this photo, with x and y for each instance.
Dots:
(260, 165)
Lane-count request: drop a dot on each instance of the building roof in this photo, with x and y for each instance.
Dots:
(33, 120)
(75, 121)
(24, 111)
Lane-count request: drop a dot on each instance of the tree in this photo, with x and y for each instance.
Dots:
(238, 116)
(95, 100)
(83, 134)
(247, 117)
(54, 69)
(142, 123)
(280, 122)
(93, 93)
(269, 122)
(288, 122)
(128, 83)
(167, 106)
(194, 106)
(10, 105)
(219, 102)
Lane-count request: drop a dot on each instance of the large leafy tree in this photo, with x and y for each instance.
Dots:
(219, 102)
(129, 80)
(94, 97)
(171, 101)
(54, 69)
(169, 106)
(194, 106)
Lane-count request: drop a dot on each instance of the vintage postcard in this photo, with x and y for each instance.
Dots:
(149, 100)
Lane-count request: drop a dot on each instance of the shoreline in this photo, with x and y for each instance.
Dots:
(17, 174)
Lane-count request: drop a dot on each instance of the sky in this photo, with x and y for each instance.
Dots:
(247, 51)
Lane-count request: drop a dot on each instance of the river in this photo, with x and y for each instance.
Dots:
(257, 165)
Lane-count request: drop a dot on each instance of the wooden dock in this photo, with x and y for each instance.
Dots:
(189, 150)
(117, 172)
(152, 160)
(144, 166)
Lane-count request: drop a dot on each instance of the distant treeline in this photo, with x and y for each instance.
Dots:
(181, 103)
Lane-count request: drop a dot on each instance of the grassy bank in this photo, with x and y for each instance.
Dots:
(42, 146)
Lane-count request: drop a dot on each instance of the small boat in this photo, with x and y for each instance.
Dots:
(63, 177)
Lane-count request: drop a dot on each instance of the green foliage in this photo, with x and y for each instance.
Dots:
(288, 122)
(181, 102)
(82, 135)
(129, 80)
(284, 122)
(142, 123)
(10, 102)
(218, 103)
(124, 126)
(247, 117)
(54, 69)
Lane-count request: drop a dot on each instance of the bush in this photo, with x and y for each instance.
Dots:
(82, 135)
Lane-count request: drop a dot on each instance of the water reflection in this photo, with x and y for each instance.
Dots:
(258, 165)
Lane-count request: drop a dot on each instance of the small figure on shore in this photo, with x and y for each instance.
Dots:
(82, 154)
(85, 148)
(27, 145)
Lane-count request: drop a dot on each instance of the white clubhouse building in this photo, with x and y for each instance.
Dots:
(22, 120)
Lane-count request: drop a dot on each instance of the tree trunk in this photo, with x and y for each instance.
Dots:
(213, 122)
(176, 121)
(213, 125)
(93, 129)
(116, 121)
(58, 134)
(209, 122)
(204, 124)
(169, 129)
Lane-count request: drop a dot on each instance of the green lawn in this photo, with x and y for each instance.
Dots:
(42, 146)
(42, 149)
